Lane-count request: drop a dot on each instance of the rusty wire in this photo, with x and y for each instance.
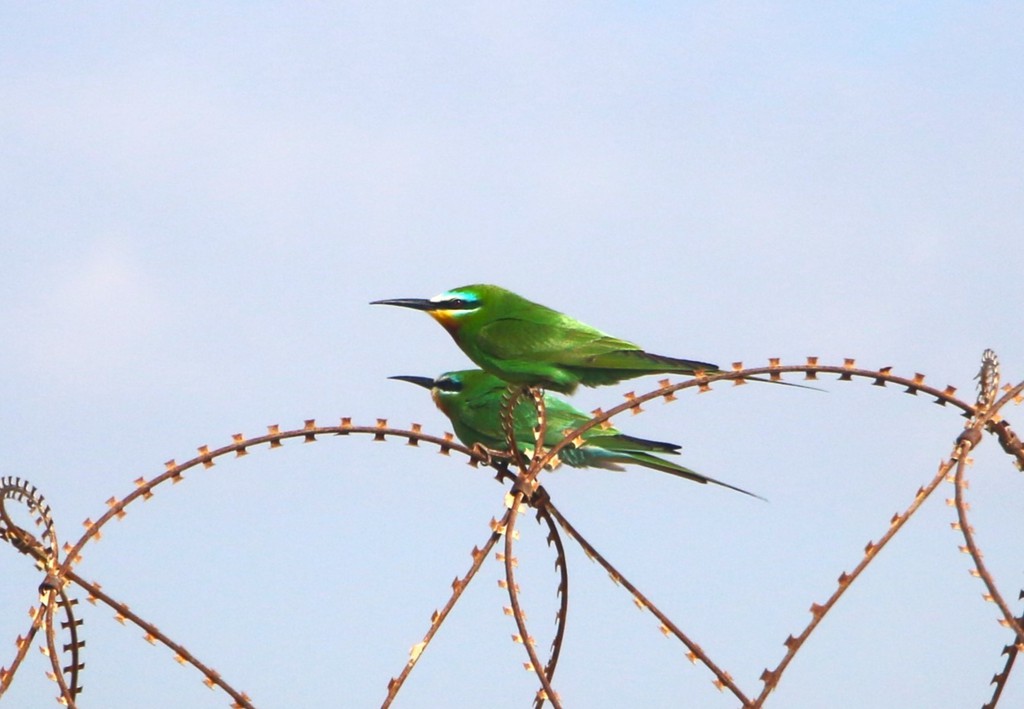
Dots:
(562, 615)
(459, 585)
(967, 441)
(58, 563)
(999, 679)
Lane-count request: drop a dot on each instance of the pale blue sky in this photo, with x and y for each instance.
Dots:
(197, 204)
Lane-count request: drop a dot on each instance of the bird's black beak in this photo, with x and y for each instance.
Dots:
(414, 303)
(425, 382)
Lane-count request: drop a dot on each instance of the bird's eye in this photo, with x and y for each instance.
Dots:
(461, 304)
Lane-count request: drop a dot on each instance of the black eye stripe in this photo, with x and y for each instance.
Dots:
(448, 385)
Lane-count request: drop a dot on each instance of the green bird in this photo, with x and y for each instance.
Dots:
(473, 399)
(526, 343)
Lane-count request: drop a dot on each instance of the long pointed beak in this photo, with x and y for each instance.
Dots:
(414, 303)
(425, 382)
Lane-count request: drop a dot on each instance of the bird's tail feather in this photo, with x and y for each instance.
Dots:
(630, 444)
(590, 456)
(664, 466)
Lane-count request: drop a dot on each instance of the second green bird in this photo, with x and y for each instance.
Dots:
(472, 399)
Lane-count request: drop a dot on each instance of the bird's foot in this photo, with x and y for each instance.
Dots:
(487, 455)
(481, 450)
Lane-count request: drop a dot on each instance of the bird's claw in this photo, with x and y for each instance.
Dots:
(482, 451)
(487, 455)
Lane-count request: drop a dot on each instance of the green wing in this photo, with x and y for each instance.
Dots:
(645, 361)
(561, 417)
(563, 341)
(478, 420)
(615, 441)
(567, 346)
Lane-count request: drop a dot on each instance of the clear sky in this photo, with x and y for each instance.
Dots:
(197, 204)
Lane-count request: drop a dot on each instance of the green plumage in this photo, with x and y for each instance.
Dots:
(523, 342)
(473, 401)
